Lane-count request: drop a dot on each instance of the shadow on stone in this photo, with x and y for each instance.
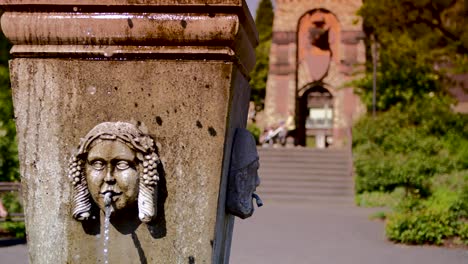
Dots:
(157, 227)
(141, 253)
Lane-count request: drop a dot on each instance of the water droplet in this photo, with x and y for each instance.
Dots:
(92, 90)
(108, 53)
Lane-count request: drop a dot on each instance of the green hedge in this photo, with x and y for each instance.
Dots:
(415, 160)
(17, 229)
(408, 146)
(443, 215)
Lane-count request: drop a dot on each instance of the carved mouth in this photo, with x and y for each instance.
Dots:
(113, 194)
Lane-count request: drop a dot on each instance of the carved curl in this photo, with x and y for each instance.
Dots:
(148, 161)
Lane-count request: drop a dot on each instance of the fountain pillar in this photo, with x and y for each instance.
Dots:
(176, 70)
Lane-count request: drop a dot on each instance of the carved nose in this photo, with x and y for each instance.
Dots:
(109, 178)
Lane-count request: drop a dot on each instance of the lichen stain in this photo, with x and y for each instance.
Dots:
(191, 260)
(183, 23)
(212, 131)
(159, 120)
(130, 23)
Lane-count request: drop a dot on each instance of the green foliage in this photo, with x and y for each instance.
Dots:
(380, 199)
(419, 42)
(264, 20)
(463, 233)
(381, 215)
(259, 75)
(8, 148)
(417, 142)
(406, 147)
(404, 74)
(255, 131)
(18, 229)
(12, 203)
(442, 215)
(421, 227)
(439, 24)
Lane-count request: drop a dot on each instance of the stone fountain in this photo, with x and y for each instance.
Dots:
(131, 107)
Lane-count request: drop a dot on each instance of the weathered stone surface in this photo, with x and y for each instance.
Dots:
(181, 104)
(94, 35)
(128, 2)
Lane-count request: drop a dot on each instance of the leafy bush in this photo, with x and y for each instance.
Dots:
(8, 149)
(463, 232)
(18, 229)
(407, 147)
(380, 199)
(12, 203)
(442, 215)
(255, 131)
(422, 226)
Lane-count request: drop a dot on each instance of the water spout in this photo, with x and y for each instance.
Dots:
(107, 202)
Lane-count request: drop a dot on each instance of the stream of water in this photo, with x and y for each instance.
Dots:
(107, 201)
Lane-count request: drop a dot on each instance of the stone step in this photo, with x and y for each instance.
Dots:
(303, 151)
(304, 168)
(292, 198)
(314, 162)
(346, 191)
(321, 172)
(300, 174)
(314, 155)
(306, 184)
(305, 178)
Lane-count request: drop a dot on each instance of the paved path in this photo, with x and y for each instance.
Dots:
(319, 234)
(310, 234)
(16, 254)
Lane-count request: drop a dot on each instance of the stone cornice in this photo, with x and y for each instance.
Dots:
(127, 2)
(117, 29)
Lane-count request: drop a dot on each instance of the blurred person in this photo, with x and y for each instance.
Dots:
(3, 211)
(290, 129)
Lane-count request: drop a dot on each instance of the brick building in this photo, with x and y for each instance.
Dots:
(317, 48)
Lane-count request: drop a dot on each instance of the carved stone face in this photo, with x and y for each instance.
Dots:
(111, 167)
(248, 182)
(118, 164)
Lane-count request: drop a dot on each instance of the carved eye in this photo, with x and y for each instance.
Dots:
(97, 165)
(122, 165)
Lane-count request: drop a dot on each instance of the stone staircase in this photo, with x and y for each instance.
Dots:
(308, 175)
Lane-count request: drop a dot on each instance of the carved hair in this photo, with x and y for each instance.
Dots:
(145, 150)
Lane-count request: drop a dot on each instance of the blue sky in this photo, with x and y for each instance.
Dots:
(253, 4)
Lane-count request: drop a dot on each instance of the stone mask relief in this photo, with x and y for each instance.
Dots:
(243, 175)
(116, 165)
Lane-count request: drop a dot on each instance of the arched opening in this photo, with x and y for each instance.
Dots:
(315, 117)
(318, 40)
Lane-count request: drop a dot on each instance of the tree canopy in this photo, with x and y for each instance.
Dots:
(420, 42)
(259, 75)
(8, 148)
